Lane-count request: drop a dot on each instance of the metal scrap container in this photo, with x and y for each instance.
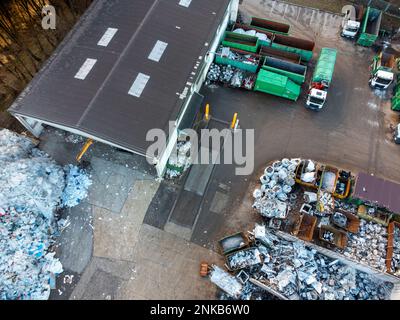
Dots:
(291, 44)
(240, 41)
(370, 27)
(270, 26)
(239, 64)
(325, 66)
(267, 51)
(246, 27)
(294, 72)
(276, 84)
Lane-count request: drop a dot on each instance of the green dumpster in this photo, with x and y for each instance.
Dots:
(396, 103)
(240, 41)
(370, 27)
(295, 72)
(276, 84)
(251, 67)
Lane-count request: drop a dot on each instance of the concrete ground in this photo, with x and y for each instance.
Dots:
(107, 251)
(136, 238)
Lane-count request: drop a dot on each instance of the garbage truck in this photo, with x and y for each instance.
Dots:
(382, 68)
(351, 27)
(321, 79)
(370, 27)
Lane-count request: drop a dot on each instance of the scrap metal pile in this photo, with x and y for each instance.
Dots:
(32, 188)
(276, 185)
(395, 263)
(231, 76)
(368, 245)
(228, 53)
(301, 273)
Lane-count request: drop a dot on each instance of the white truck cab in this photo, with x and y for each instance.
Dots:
(397, 134)
(350, 29)
(382, 79)
(316, 99)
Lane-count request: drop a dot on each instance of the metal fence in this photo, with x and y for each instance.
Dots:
(389, 7)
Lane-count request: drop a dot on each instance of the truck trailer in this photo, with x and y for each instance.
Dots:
(351, 27)
(321, 79)
(382, 74)
(370, 27)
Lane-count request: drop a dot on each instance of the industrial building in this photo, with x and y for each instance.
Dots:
(126, 68)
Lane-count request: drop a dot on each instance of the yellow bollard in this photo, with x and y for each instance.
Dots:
(207, 114)
(235, 116)
(85, 148)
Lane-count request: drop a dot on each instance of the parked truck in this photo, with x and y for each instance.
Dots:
(321, 79)
(382, 68)
(370, 27)
(351, 27)
(276, 84)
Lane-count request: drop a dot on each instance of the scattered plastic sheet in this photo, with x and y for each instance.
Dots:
(32, 187)
(77, 184)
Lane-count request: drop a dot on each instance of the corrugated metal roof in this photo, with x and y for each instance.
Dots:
(382, 192)
(100, 104)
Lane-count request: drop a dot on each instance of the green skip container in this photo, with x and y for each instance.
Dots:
(295, 72)
(240, 41)
(239, 64)
(276, 84)
(302, 47)
(270, 26)
(370, 27)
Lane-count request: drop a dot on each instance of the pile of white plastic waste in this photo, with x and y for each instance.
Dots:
(32, 188)
(276, 185)
(253, 33)
(179, 161)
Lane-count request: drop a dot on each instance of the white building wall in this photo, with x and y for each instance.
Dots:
(230, 16)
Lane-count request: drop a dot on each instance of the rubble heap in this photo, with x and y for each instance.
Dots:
(395, 264)
(32, 187)
(299, 272)
(369, 245)
(276, 185)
